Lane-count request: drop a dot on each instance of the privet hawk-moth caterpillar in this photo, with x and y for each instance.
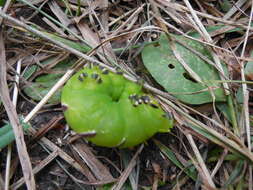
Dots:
(111, 110)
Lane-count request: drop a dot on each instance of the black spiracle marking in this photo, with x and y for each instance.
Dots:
(99, 80)
(118, 71)
(153, 105)
(136, 99)
(145, 99)
(100, 67)
(94, 75)
(105, 72)
(84, 75)
(168, 115)
(80, 78)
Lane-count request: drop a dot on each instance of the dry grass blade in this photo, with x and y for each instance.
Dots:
(44, 36)
(184, 64)
(246, 97)
(61, 15)
(200, 160)
(94, 41)
(5, 8)
(53, 147)
(211, 134)
(208, 39)
(14, 100)
(210, 145)
(1, 183)
(128, 170)
(99, 170)
(36, 169)
(19, 135)
(183, 9)
(234, 9)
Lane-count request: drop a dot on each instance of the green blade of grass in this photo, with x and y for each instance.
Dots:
(7, 134)
(5, 129)
(235, 174)
(80, 47)
(171, 156)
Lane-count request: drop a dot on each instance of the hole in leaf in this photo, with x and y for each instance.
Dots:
(188, 77)
(171, 66)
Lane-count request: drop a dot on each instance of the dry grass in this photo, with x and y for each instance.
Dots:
(204, 151)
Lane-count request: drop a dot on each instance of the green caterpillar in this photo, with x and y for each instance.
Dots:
(111, 110)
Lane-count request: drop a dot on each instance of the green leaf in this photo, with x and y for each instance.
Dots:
(215, 153)
(76, 45)
(30, 71)
(37, 89)
(225, 110)
(239, 95)
(226, 5)
(126, 186)
(160, 61)
(2, 2)
(213, 28)
(249, 68)
(7, 135)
